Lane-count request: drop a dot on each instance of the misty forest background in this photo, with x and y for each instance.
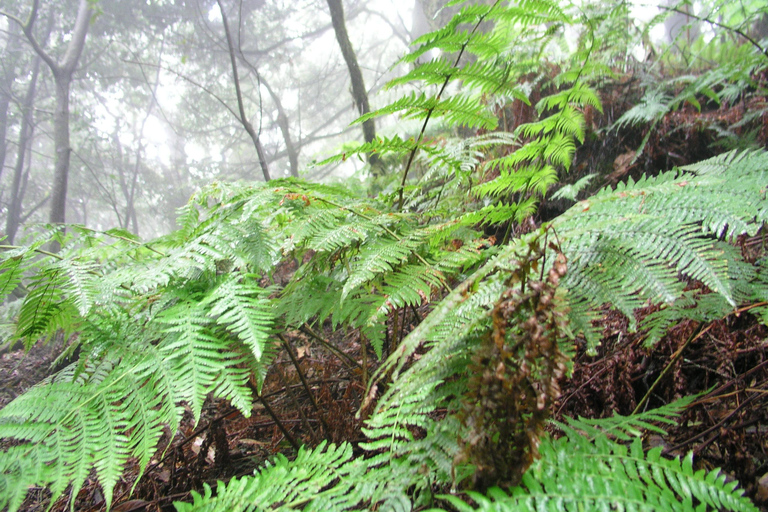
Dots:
(153, 107)
(479, 217)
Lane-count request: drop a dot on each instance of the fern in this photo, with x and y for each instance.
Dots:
(239, 304)
(166, 324)
(662, 231)
(574, 475)
(585, 469)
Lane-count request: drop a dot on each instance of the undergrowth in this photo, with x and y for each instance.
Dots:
(157, 328)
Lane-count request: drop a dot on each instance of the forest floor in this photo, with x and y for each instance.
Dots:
(726, 427)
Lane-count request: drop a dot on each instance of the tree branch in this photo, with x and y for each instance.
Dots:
(243, 119)
(754, 43)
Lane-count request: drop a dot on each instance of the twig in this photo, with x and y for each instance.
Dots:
(431, 110)
(295, 362)
(338, 353)
(754, 43)
(274, 417)
(296, 404)
(699, 332)
(713, 428)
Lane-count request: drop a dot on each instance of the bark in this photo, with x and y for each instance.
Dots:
(62, 71)
(63, 151)
(282, 119)
(9, 76)
(243, 119)
(359, 93)
(282, 122)
(679, 21)
(13, 220)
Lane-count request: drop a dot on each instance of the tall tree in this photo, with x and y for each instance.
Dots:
(359, 92)
(62, 71)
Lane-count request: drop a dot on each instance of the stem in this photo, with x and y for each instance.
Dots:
(364, 352)
(699, 332)
(295, 362)
(431, 110)
(296, 404)
(274, 417)
(341, 355)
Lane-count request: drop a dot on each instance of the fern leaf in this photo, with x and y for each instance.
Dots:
(41, 305)
(377, 258)
(13, 264)
(196, 355)
(242, 306)
(284, 484)
(576, 474)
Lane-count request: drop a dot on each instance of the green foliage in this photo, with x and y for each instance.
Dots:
(576, 473)
(707, 73)
(631, 244)
(163, 326)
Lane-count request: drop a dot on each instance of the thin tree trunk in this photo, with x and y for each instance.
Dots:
(63, 151)
(359, 93)
(282, 122)
(62, 71)
(9, 76)
(282, 118)
(25, 135)
(243, 119)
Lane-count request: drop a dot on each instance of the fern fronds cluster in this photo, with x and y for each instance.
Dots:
(592, 472)
(163, 326)
(631, 244)
(172, 322)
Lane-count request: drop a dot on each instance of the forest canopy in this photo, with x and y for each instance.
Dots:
(263, 255)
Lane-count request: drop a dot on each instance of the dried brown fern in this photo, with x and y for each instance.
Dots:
(514, 374)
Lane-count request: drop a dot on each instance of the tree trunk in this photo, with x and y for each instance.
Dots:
(25, 135)
(359, 93)
(62, 75)
(9, 76)
(285, 129)
(63, 150)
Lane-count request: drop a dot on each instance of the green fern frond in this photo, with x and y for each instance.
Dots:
(585, 469)
(13, 264)
(529, 178)
(458, 110)
(44, 302)
(580, 95)
(411, 285)
(381, 257)
(484, 76)
(500, 213)
(626, 428)
(308, 296)
(315, 479)
(651, 108)
(239, 304)
(632, 244)
(195, 354)
(380, 145)
(577, 476)
(80, 421)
